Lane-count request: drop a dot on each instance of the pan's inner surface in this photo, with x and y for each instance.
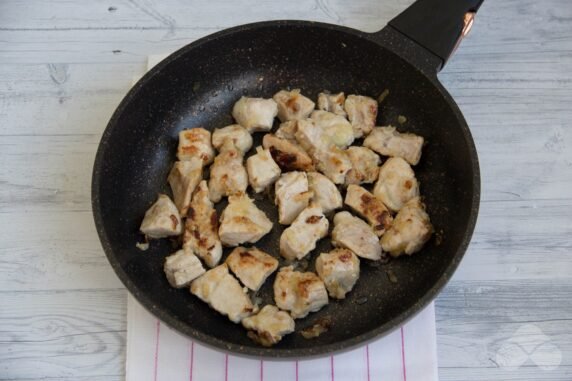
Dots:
(199, 89)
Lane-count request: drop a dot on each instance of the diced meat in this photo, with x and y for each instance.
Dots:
(288, 155)
(292, 105)
(195, 143)
(396, 184)
(251, 266)
(365, 165)
(262, 170)
(300, 293)
(183, 179)
(242, 222)
(228, 175)
(411, 229)
(335, 128)
(222, 292)
(362, 113)
(182, 267)
(301, 237)
(326, 194)
(369, 207)
(287, 130)
(332, 103)
(162, 219)
(201, 228)
(356, 235)
(269, 325)
(310, 137)
(239, 136)
(291, 196)
(388, 141)
(334, 163)
(255, 114)
(339, 270)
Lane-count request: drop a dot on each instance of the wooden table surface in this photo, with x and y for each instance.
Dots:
(66, 64)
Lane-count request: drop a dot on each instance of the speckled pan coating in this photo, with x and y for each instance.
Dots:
(197, 86)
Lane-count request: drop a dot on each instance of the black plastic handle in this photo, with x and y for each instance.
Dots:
(437, 25)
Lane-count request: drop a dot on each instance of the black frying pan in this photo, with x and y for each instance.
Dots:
(197, 86)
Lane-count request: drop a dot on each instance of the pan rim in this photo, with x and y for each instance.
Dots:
(278, 353)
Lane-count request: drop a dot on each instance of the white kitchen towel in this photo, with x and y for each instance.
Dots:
(157, 353)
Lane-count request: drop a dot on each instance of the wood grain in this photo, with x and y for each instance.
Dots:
(66, 64)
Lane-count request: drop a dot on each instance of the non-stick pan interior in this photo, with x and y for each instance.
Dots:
(198, 88)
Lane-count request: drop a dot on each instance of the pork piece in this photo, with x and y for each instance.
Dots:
(228, 175)
(183, 179)
(410, 230)
(326, 194)
(388, 141)
(369, 207)
(339, 270)
(269, 325)
(334, 163)
(287, 130)
(239, 136)
(201, 228)
(251, 266)
(262, 170)
(195, 143)
(162, 219)
(365, 165)
(335, 128)
(291, 196)
(255, 114)
(362, 112)
(332, 103)
(182, 267)
(301, 237)
(300, 293)
(292, 105)
(396, 183)
(356, 235)
(287, 154)
(222, 292)
(242, 222)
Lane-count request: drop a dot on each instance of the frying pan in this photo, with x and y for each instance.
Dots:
(197, 86)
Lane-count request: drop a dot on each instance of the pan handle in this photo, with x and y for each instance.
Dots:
(436, 25)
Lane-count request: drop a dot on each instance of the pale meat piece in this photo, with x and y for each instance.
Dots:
(228, 175)
(223, 293)
(251, 266)
(365, 165)
(287, 130)
(162, 219)
(183, 179)
(336, 129)
(255, 114)
(339, 270)
(291, 195)
(195, 143)
(292, 105)
(326, 194)
(356, 235)
(332, 103)
(301, 237)
(362, 113)
(396, 183)
(300, 293)
(239, 136)
(182, 267)
(242, 221)
(411, 229)
(269, 325)
(369, 207)
(311, 137)
(262, 170)
(287, 154)
(201, 228)
(388, 141)
(334, 163)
